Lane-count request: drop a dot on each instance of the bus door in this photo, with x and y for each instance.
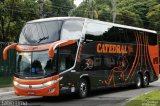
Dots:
(66, 60)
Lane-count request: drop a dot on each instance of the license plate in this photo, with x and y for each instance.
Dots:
(31, 93)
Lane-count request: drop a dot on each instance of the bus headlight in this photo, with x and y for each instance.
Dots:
(49, 83)
(15, 83)
(52, 82)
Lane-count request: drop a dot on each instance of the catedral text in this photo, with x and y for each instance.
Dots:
(110, 48)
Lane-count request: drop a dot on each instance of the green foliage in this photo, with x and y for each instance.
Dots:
(154, 17)
(62, 7)
(133, 19)
(144, 13)
(86, 9)
(14, 13)
(149, 99)
(6, 81)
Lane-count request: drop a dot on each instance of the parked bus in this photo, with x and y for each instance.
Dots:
(76, 55)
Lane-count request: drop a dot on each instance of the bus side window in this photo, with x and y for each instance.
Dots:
(119, 35)
(66, 62)
(131, 36)
(152, 39)
(62, 63)
(87, 63)
(92, 63)
(98, 63)
(110, 35)
(67, 56)
(95, 32)
(109, 62)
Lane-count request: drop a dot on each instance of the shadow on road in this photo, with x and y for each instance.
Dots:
(114, 90)
(72, 97)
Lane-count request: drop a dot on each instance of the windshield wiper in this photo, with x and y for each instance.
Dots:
(44, 38)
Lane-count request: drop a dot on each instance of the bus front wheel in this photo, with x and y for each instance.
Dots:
(83, 88)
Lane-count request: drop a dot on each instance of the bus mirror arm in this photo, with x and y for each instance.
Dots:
(5, 51)
(60, 43)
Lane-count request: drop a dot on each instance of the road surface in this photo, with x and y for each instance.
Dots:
(108, 97)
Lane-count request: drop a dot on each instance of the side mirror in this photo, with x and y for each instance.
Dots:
(5, 51)
(59, 43)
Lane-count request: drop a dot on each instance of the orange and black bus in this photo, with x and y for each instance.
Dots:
(76, 55)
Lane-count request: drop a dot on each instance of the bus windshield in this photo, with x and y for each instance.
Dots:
(35, 64)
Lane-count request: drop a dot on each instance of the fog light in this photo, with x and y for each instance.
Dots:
(51, 90)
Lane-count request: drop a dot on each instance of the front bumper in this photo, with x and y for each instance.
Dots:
(34, 88)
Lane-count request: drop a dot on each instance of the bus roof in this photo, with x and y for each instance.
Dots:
(91, 20)
(54, 18)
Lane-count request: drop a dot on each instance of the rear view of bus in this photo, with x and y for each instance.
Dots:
(41, 52)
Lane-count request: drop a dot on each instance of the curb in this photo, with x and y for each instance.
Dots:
(6, 90)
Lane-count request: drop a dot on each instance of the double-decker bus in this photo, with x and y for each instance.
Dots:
(76, 55)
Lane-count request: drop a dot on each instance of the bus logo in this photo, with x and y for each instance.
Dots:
(111, 48)
(30, 86)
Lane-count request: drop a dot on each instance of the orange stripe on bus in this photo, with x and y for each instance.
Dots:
(60, 43)
(133, 65)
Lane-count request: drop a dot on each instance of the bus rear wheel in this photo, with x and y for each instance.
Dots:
(138, 82)
(83, 89)
(145, 80)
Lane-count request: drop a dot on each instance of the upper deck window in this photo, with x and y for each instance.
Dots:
(152, 39)
(71, 29)
(96, 31)
(50, 31)
(42, 32)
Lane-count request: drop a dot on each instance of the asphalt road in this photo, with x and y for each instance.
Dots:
(108, 97)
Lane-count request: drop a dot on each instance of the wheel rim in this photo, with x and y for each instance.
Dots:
(145, 80)
(83, 89)
(138, 82)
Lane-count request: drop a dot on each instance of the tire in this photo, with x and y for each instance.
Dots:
(145, 80)
(138, 81)
(83, 89)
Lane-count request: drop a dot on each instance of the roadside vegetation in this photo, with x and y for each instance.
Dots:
(6, 81)
(14, 13)
(149, 99)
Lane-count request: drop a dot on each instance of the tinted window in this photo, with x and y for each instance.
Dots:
(152, 39)
(109, 62)
(96, 31)
(71, 29)
(98, 63)
(119, 35)
(67, 56)
(131, 36)
(42, 32)
(91, 63)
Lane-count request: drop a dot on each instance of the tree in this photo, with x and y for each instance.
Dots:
(154, 17)
(62, 7)
(86, 9)
(127, 14)
(13, 15)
